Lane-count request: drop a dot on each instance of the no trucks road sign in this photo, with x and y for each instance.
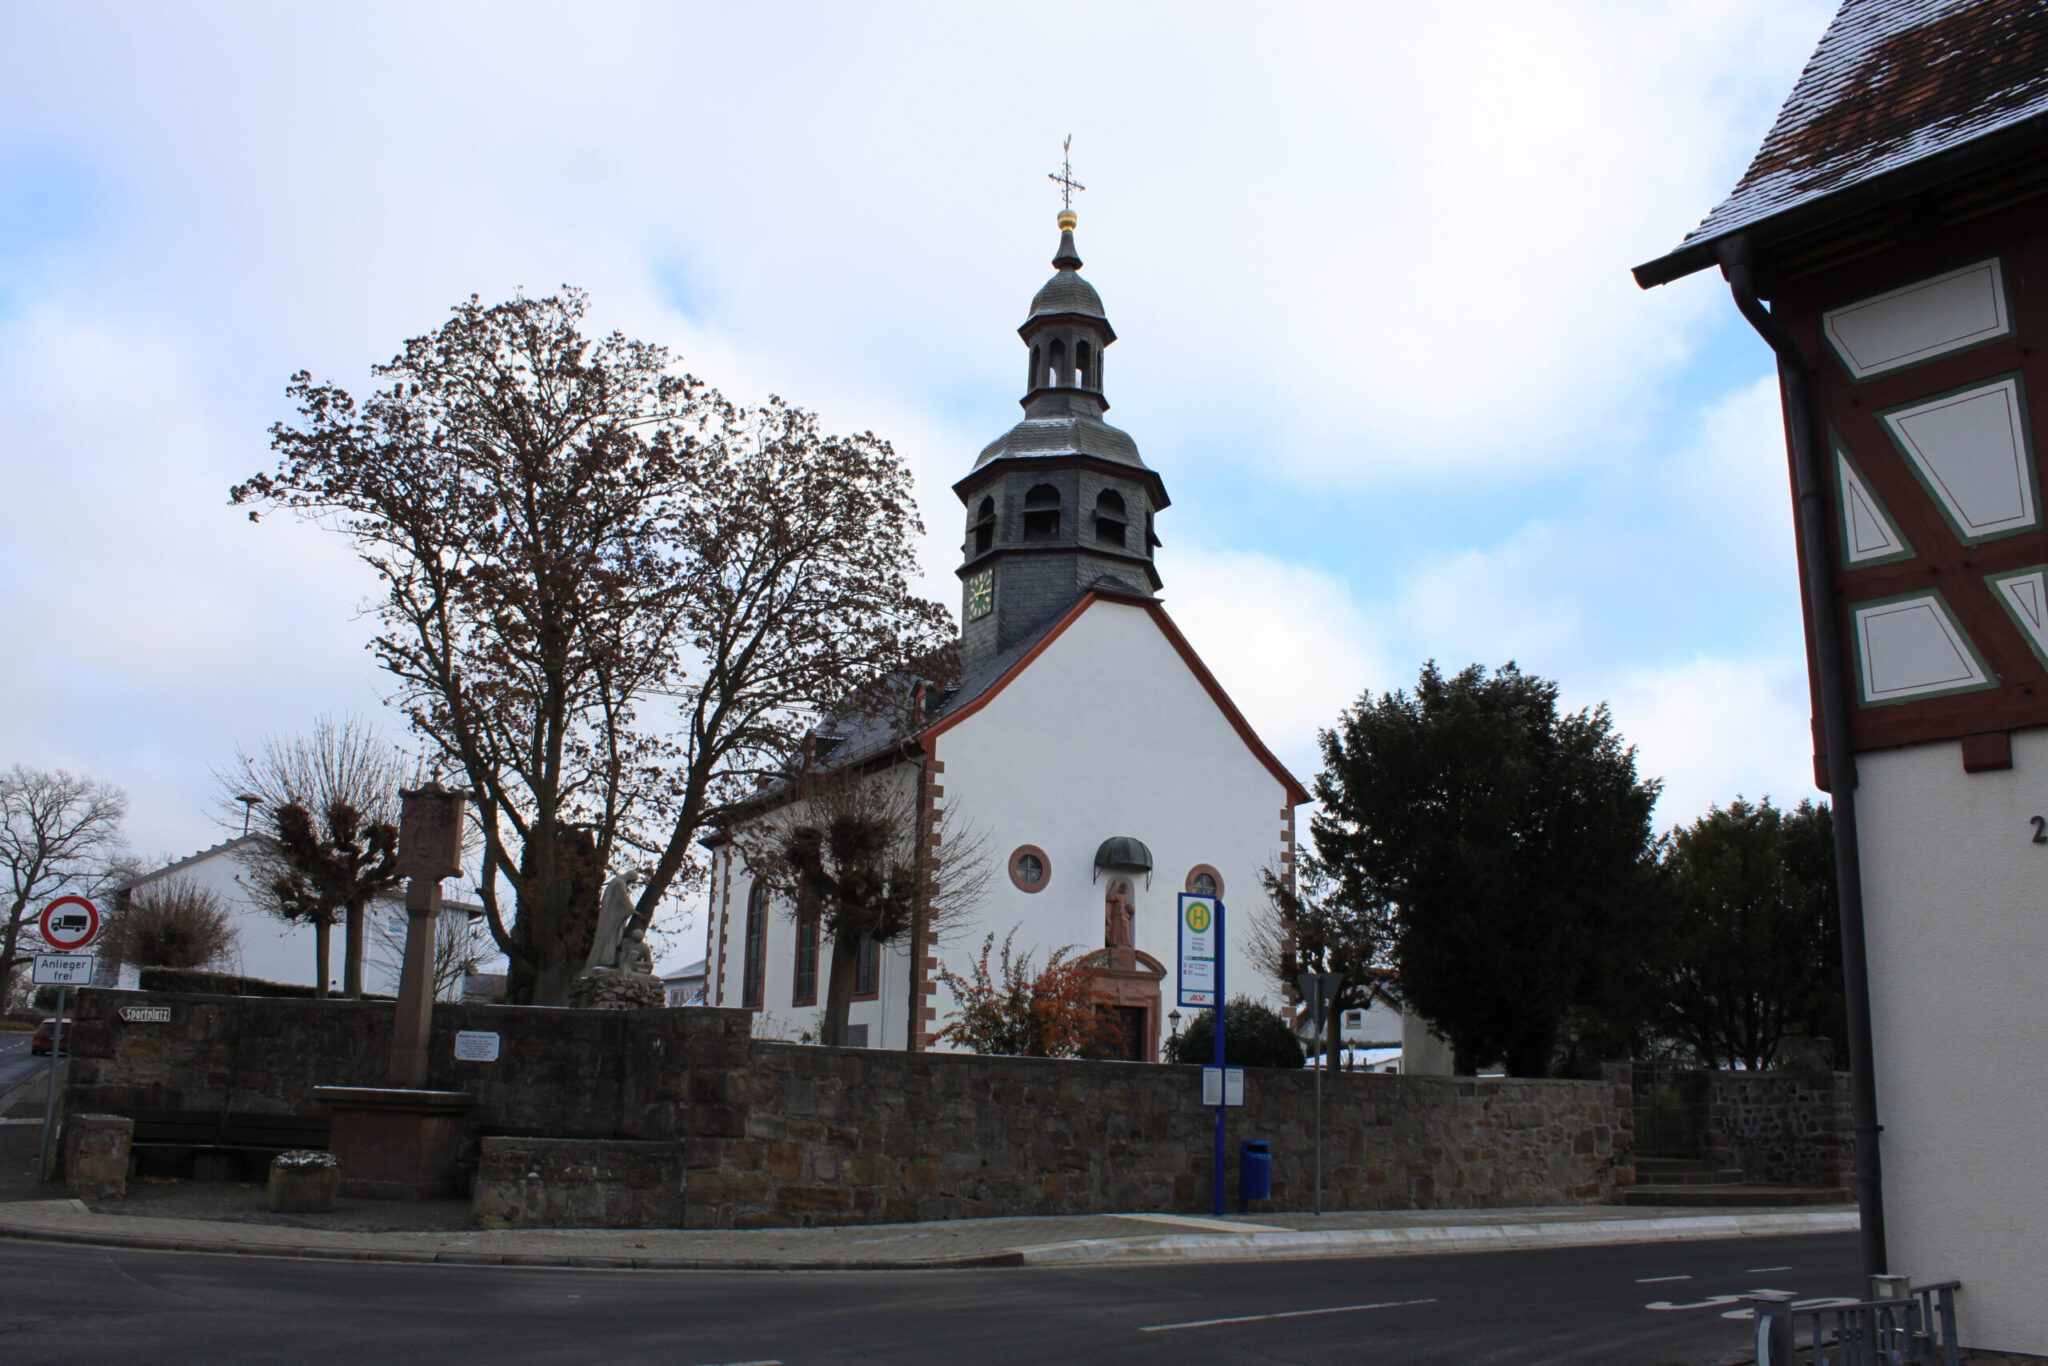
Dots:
(69, 923)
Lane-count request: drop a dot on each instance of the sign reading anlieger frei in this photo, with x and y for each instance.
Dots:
(1201, 942)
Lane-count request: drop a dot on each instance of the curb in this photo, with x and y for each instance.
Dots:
(1386, 1242)
(305, 1252)
(1261, 1246)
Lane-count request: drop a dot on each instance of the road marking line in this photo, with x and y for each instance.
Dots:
(1652, 1280)
(1758, 1270)
(1290, 1314)
(1189, 1221)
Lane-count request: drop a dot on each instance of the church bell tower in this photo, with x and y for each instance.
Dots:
(1060, 503)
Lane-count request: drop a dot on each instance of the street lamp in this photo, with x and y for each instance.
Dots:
(250, 801)
(1173, 1019)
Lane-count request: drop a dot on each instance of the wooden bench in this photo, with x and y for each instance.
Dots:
(213, 1146)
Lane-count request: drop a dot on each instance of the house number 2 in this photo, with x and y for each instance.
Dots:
(2040, 824)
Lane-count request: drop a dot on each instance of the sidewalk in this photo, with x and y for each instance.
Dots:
(227, 1218)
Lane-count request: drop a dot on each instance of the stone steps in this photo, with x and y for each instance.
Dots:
(1685, 1171)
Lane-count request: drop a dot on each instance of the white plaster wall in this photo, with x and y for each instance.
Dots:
(1956, 898)
(1108, 733)
(277, 950)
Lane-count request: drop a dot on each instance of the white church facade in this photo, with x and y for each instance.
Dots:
(1085, 746)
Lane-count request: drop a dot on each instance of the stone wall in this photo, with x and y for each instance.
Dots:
(780, 1134)
(853, 1136)
(642, 1074)
(1789, 1127)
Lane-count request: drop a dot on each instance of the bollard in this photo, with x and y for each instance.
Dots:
(1254, 1172)
(1774, 1345)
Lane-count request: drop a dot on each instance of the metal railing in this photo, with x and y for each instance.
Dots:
(1899, 1325)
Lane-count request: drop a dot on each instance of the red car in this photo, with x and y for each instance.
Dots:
(45, 1035)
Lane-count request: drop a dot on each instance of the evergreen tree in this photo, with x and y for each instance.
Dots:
(1506, 845)
(1756, 945)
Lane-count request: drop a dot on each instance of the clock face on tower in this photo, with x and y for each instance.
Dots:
(981, 594)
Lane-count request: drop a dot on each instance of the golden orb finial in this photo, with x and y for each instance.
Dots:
(1068, 219)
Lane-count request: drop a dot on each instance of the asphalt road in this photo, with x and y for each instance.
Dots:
(1660, 1304)
(17, 1064)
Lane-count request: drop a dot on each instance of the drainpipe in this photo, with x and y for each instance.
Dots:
(1832, 684)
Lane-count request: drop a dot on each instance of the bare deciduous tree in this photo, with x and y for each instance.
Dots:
(609, 594)
(58, 832)
(1309, 926)
(329, 803)
(170, 923)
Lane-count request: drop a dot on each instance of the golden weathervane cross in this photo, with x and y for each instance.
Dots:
(1065, 179)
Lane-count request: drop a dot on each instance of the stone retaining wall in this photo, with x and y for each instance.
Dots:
(855, 1136)
(578, 1183)
(1788, 1127)
(783, 1134)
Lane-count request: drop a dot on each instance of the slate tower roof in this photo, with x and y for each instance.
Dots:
(1062, 501)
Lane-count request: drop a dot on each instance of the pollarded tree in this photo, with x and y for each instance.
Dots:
(1756, 950)
(854, 859)
(329, 804)
(1504, 842)
(609, 595)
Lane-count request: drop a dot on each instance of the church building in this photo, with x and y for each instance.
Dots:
(1085, 745)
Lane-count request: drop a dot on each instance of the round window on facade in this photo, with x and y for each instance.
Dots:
(1030, 868)
(1205, 881)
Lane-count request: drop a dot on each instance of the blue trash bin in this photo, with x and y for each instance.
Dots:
(1254, 1172)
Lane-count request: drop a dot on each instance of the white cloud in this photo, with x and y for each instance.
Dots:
(1347, 245)
(1716, 729)
(1288, 642)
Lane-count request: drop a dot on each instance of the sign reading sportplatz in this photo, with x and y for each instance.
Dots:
(1201, 941)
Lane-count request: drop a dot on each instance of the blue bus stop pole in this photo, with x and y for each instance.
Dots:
(1222, 1089)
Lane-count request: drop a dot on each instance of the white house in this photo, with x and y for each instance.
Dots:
(1085, 744)
(1886, 243)
(278, 950)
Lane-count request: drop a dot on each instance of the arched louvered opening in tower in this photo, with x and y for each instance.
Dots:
(1037, 375)
(1042, 510)
(1110, 518)
(1151, 541)
(1082, 354)
(1057, 364)
(981, 532)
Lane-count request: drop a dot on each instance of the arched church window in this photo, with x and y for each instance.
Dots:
(1081, 364)
(984, 528)
(1030, 869)
(1204, 880)
(1109, 518)
(1042, 512)
(803, 989)
(1058, 361)
(756, 954)
(867, 969)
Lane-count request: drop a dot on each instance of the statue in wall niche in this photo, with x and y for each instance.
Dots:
(1119, 917)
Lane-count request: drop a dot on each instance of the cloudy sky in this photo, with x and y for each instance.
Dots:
(1368, 263)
